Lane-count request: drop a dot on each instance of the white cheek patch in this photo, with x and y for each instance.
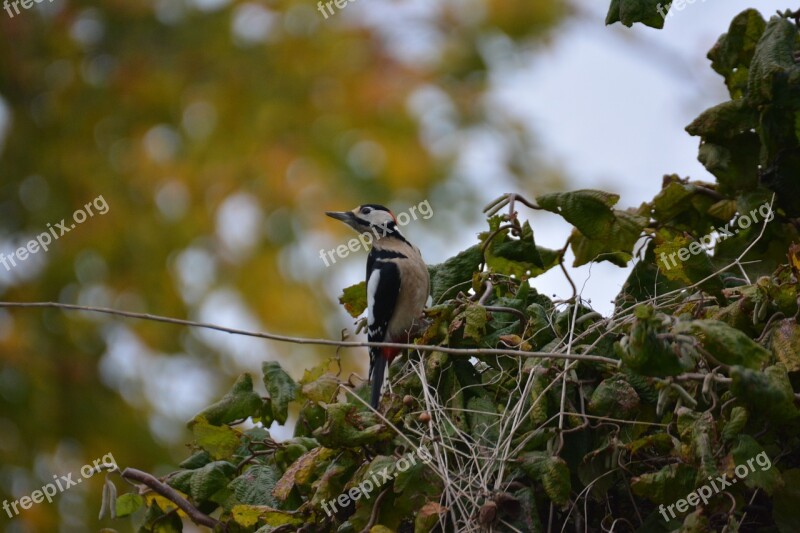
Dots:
(372, 288)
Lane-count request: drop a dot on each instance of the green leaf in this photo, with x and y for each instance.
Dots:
(255, 485)
(732, 54)
(475, 322)
(553, 473)
(734, 163)
(670, 260)
(797, 125)
(518, 257)
(786, 503)
(354, 299)
(644, 282)
(211, 479)
(380, 468)
(616, 247)
(161, 522)
(539, 400)
(300, 472)
(455, 274)
(649, 12)
(586, 209)
(726, 344)
(646, 354)
(723, 210)
(197, 460)
(769, 392)
(785, 344)
(699, 432)
(322, 389)
(735, 424)
(660, 443)
(250, 515)
(672, 199)
(615, 398)
(311, 417)
(127, 504)
(603, 233)
(181, 480)
(334, 478)
(239, 403)
(347, 426)
(682, 259)
(219, 441)
(483, 420)
(666, 486)
(725, 121)
(556, 481)
(773, 68)
(281, 387)
(414, 475)
(762, 474)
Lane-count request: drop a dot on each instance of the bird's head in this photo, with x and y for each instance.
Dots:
(366, 218)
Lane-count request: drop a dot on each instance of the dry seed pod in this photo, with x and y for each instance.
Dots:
(488, 514)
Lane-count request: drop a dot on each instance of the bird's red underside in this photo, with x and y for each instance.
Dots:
(389, 353)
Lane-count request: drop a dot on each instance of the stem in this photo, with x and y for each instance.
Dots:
(172, 495)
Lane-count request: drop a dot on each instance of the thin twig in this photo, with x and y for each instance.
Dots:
(376, 509)
(523, 318)
(321, 342)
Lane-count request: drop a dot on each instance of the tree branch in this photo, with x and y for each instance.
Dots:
(172, 495)
(321, 342)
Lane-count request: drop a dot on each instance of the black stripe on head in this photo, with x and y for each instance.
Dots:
(376, 207)
(389, 230)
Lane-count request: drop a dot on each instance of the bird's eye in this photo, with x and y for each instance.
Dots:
(365, 210)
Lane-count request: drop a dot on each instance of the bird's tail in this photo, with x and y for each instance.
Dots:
(378, 364)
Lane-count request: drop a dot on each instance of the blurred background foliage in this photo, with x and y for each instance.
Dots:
(217, 132)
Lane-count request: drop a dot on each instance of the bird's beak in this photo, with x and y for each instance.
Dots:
(345, 216)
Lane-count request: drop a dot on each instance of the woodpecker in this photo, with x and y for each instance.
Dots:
(398, 285)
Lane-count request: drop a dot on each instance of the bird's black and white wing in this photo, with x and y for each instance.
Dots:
(383, 289)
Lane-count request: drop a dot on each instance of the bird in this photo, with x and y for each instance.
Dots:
(398, 285)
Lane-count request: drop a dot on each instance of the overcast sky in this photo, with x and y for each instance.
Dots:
(610, 105)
